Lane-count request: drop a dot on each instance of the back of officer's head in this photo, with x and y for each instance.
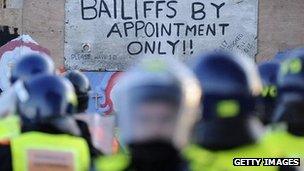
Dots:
(30, 65)
(291, 89)
(230, 83)
(156, 101)
(82, 87)
(44, 98)
(268, 72)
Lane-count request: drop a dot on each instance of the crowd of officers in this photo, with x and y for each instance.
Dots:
(170, 116)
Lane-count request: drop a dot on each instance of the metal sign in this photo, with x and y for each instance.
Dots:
(112, 34)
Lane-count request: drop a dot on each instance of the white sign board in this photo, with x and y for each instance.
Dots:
(111, 34)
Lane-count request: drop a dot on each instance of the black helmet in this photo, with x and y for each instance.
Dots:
(281, 56)
(157, 100)
(268, 72)
(230, 84)
(225, 81)
(82, 87)
(291, 89)
(45, 97)
(30, 65)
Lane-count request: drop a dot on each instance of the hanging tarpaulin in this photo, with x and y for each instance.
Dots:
(13, 50)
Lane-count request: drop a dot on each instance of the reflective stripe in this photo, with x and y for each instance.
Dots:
(228, 108)
(270, 91)
(201, 159)
(116, 162)
(292, 66)
(23, 145)
(9, 127)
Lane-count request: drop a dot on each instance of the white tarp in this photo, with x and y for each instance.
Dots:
(11, 51)
(9, 54)
(112, 34)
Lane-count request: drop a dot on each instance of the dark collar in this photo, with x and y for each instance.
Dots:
(296, 129)
(224, 134)
(155, 156)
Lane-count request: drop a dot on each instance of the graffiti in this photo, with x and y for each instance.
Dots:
(102, 84)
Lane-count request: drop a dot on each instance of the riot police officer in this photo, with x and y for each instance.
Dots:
(228, 128)
(84, 120)
(82, 87)
(30, 65)
(290, 107)
(49, 137)
(26, 67)
(268, 72)
(157, 104)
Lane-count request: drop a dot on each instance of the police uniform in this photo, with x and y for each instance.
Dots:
(37, 150)
(292, 145)
(9, 129)
(118, 162)
(82, 87)
(137, 161)
(267, 100)
(204, 159)
(49, 139)
(290, 107)
(228, 129)
(156, 109)
(25, 68)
